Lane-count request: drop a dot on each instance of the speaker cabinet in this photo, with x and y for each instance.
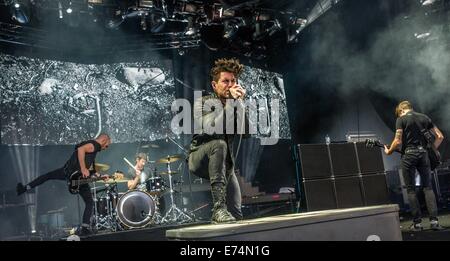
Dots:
(370, 159)
(315, 161)
(342, 175)
(319, 194)
(349, 192)
(343, 159)
(375, 189)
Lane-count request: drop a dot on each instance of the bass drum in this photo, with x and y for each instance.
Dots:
(136, 209)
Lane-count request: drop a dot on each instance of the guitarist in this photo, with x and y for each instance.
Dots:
(410, 128)
(82, 159)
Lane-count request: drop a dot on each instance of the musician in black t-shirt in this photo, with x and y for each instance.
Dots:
(410, 129)
(137, 175)
(82, 159)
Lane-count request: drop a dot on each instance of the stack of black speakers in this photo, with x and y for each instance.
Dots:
(342, 175)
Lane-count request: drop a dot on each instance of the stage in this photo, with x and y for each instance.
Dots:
(361, 224)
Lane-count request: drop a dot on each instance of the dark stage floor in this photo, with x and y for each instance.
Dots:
(427, 233)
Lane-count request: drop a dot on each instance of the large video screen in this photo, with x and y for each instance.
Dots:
(53, 102)
(267, 86)
(47, 102)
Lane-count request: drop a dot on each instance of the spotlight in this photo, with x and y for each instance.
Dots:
(60, 10)
(18, 14)
(297, 26)
(260, 34)
(428, 2)
(231, 27)
(190, 28)
(157, 23)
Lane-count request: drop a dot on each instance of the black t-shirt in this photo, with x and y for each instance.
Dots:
(89, 159)
(412, 137)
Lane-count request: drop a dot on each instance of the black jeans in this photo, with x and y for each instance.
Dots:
(85, 191)
(418, 159)
(210, 161)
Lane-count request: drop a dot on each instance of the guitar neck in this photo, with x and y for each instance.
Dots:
(88, 180)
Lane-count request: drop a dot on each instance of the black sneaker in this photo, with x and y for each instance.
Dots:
(20, 189)
(434, 225)
(416, 227)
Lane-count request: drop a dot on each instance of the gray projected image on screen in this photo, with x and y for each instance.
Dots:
(53, 102)
(265, 85)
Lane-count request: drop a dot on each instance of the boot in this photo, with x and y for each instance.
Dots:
(220, 213)
(20, 189)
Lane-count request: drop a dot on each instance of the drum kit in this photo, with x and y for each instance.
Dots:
(140, 207)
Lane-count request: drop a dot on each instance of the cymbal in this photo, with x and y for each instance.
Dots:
(168, 172)
(169, 159)
(146, 146)
(101, 167)
(111, 181)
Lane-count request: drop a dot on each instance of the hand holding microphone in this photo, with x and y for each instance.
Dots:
(237, 92)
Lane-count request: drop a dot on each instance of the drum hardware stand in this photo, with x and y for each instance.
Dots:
(174, 214)
(107, 221)
(183, 163)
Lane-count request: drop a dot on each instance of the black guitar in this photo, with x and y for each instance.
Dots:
(75, 180)
(433, 153)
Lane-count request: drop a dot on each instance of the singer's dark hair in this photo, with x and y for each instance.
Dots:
(226, 65)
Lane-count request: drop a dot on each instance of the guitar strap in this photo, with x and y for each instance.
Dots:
(423, 131)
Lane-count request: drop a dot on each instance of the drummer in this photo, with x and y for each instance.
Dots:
(137, 175)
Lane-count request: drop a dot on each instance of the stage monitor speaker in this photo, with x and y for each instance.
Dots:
(370, 159)
(348, 192)
(343, 159)
(319, 194)
(314, 161)
(375, 189)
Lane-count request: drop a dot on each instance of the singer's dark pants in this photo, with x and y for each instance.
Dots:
(85, 191)
(418, 159)
(210, 161)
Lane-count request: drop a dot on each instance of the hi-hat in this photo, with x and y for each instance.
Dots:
(146, 146)
(168, 172)
(169, 159)
(111, 181)
(101, 167)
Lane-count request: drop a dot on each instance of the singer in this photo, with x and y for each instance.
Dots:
(211, 154)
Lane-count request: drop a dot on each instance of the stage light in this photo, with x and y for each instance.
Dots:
(60, 10)
(143, 23)
(297, 26)
(260, 33)
(18, 14)
(231, 27)
(190, 28)
(157, 22)
(428, 2)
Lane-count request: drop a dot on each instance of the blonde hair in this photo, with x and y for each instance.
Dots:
(226, 65)
(404, 105)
